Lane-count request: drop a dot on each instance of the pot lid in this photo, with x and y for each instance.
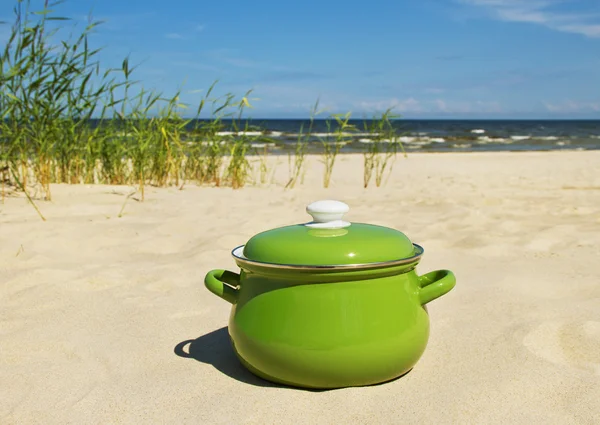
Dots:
(329, 241)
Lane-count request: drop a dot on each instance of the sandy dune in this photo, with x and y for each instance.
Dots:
(105, 320)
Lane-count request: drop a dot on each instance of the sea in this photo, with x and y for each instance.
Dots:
(437, 135)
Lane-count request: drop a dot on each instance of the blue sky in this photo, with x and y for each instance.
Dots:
(425, 58)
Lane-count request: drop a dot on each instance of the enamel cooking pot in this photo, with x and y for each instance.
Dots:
(329, 304)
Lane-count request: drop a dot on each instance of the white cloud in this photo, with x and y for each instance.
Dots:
(174, 36)
(398, 105)
(540, 12)
(569, 106)
(412, 105)
(200, 28)
(464, 107)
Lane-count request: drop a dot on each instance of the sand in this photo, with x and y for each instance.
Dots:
(106, 320)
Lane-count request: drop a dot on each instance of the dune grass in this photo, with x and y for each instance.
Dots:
(296, 160)
(332, 145)
(383, 148)
(67, 119)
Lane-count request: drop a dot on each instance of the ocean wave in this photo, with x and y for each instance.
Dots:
(519, 138)
(323, 135)
(420, 142)
(478, 131)
(210, 142)
(547, 138)
(403, 139)
(487, 139)
(343, 134)
(239, 133)
(407, 140)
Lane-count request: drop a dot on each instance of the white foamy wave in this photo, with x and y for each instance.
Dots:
(547, 138)
(420, 140)
(239, 133)
(487, 139)
(561, 143)
(343, 134)
(258, 145)
(478, 131)
(329, 134)
(465, 146)
(334, 143)
(365, 140)
(518, 138)
(210, 142)
(276, 133)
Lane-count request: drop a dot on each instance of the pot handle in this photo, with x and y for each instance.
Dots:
(435, 284)
(223, 283)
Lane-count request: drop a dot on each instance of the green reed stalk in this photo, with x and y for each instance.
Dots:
(373, 148)
(239, 168)
(20, 185)
(196, 165)
(264, 165)
(296, 161)
(168, 155)
(215, 144)
(382, 149)
(390, 148)
(331, 148)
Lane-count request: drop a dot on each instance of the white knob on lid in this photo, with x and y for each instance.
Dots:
(327, 214)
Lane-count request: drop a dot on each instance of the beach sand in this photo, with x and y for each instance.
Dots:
(106, 320)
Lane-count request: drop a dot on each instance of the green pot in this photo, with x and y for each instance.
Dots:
(329, 304)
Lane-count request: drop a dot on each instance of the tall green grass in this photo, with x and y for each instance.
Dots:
(381, 152)
(332, 145)
(52, 85)
(296, 162)
(51, 90)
